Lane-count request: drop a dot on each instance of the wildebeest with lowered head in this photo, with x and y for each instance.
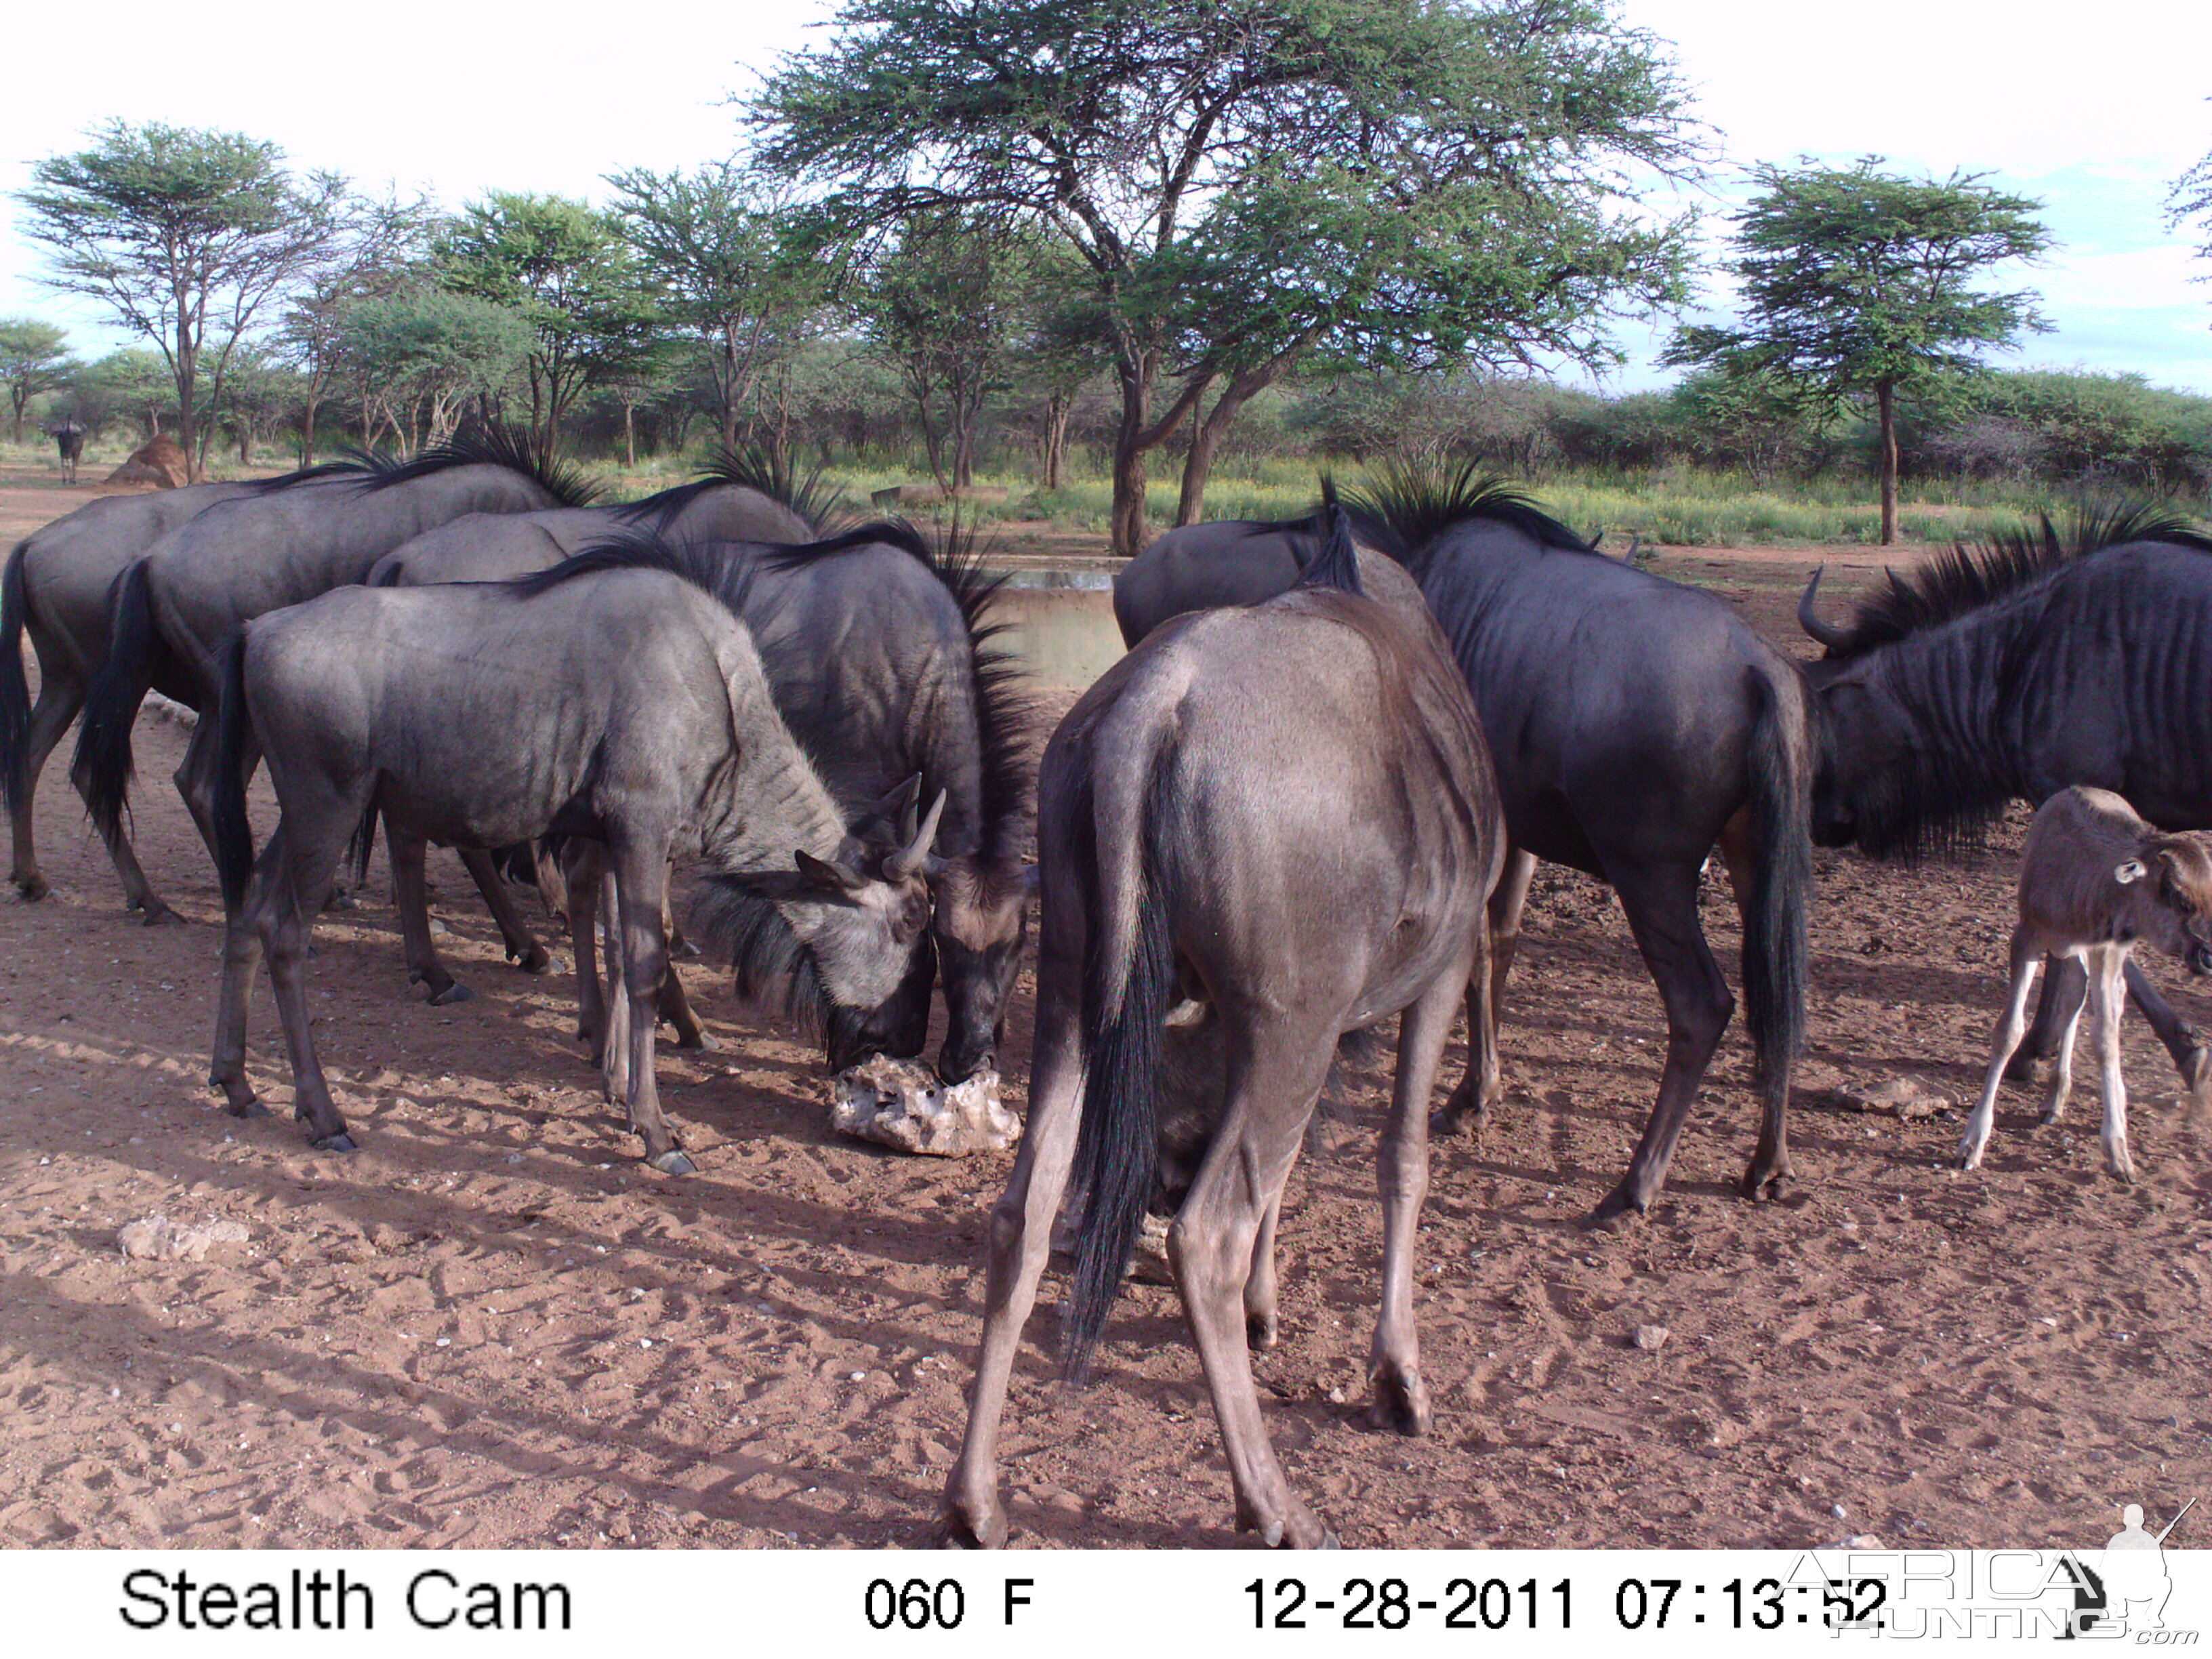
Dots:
(1260, 830)
(2005, 672)
(1635, 725)
(882, 654)
(56, 588)
(605, 698)
(2095, 879)
(171, 609)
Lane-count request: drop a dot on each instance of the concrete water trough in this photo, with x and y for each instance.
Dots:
(1060, 622)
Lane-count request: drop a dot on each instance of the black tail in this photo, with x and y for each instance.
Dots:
(1774, 926)
(1337, 565)
(1117, 1145)
(234, 836)
(14, 688)
(103, 766)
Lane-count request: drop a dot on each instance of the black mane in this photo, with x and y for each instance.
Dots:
(1969, 575)
(754, 468)
(705, 565)
(351, 464)
(1336, 567)
(1003, 710)
(1419, 503)
(499, 446)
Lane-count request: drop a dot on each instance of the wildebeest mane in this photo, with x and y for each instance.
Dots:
(1004, 708)
(753, 468)
(703, 564)
(490, 446)
(350, 464)
(1336, 567)
(1971, 574)
(1419, 502)
(735, 916)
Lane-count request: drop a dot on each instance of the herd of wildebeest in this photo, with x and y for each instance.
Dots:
(1309, 799)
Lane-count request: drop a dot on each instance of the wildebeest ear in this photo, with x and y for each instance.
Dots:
(2132, 870)
(832, 877)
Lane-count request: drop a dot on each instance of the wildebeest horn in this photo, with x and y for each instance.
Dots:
(1836, 639)
(916, 854)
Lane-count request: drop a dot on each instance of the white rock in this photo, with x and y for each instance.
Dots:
(1905, 1097)
(900, 1103)
(1652, 1338)
(156, 1238)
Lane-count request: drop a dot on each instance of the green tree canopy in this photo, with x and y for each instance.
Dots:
(421, 354)
(1858, 285)
(1414, 181)
(33, 358)
(185, 234)
(566, 269)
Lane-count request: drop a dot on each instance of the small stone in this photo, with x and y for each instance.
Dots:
(156, 1238)
(1838, 1511)
(1652, 1338)
(1906, 1098)
(444, 1341)
(859, 1376)
(1336, 1396)
(1862, 1540)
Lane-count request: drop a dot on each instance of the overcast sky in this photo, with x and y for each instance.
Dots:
(2092, 113)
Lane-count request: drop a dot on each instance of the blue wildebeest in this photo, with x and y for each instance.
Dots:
(2007, 671)
(1259, 831)
(68, 438)
(171, 609)
(880, 652)
(2094, 881)
(55, 588)
(623, 703)
(1635, 726)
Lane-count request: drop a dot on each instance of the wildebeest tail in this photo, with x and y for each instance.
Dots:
(1782, 880)
(14, 688)
(234, 836)
(1129, 983)
(103, 766)
(1337, 565)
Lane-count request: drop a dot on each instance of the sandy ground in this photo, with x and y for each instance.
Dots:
(490, 1326)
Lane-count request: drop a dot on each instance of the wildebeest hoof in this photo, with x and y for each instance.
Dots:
(247, 1109)
(2196, 1070)
(454, 992)
(2021, 1068)
(36, 889)
(674, 1163)
(158, 915)
(1261, 1330)
(975, 1529)
(1616, 1213)
(535, 960)
(1402, 1404)
(340, 1142)
(705, 1043)
(1768, 1187)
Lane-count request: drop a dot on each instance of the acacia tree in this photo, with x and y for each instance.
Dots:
(378, 250)
(33, 359)
(1250, 181)
(421, 354)
(2191, 199)
(1858, 285)
(721, 243)
(184, 234)
(565, 268)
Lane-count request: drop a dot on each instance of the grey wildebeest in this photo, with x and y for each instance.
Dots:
(605, 698)
(2007, 671)
(69, 439)
(2094, 881)
(1259, 831)
(56, 588)
(1635, 725)
(171, 609)
(880, 652)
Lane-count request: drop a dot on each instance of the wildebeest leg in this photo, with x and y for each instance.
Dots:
(1769, 1160)
(1480, 1089)
(2068, 1018)
(1262, 1324)
(195, 776)
(59, 701)
(1662, 903)
(1273, 1079)
(285, 922)
(1020, 1240)
(242, 954)
(2042, 1033)
(411, 893)
(2010, 1025)
(524, 952)
(2106, 992)
(2191, 1058)
(1400, 1400)
(640, 888)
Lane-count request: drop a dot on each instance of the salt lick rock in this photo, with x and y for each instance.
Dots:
(900, 1103)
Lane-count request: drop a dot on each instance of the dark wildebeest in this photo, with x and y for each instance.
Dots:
(2006, 672)
(880, 653)
(171, 609)
(69, 439)
(1259, 831)
(602, 699)
(2094, 880)
(56, 588)
(1635, 725)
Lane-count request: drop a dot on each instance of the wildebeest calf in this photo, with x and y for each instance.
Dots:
(2094, 879)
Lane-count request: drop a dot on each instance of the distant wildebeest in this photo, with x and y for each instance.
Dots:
(1259, 831)
(881, 652)
(2005, 672)
(605, 698)
(174, 608)
(69, 439)
(1637, 726)
(55, 588)
(2094, 881)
